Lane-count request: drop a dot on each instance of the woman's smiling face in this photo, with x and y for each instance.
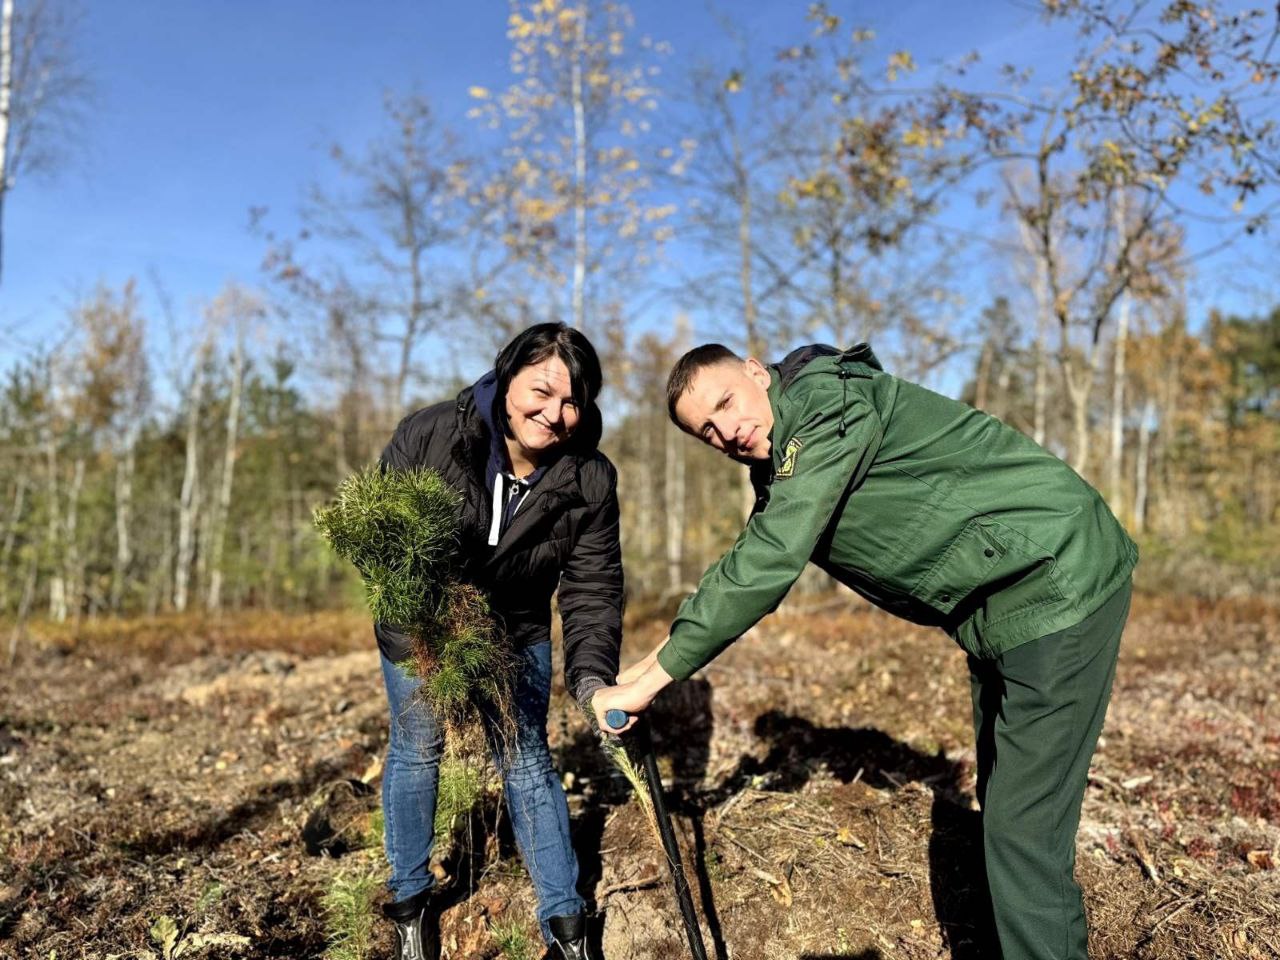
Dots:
(540, 406)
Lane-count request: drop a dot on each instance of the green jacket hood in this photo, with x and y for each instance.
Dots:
(793, 364)
(796, 364)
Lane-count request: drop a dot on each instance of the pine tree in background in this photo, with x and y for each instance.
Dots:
(400, 530)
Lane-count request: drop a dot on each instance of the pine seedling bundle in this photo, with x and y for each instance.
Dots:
(616, 750)
(399, 528)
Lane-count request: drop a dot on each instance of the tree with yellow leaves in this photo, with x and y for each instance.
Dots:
(569, 199)
(1101, 165)
(859, 180)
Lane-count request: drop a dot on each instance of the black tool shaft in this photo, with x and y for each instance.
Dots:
(669, 843)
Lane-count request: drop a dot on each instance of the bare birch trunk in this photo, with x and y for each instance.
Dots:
(160, 578)
(190, 488)
(199, 579)
(417, 319)
(1079, 380)
(1115, 482)
(1169, 429)
(72, 563)
(1078, 391)
(1161, 515)
(1142, 466)
(1040, 288)
(1115, 485)
(6, 101)
(985, 360)
(10, 534)
(579, 177)
(675, 510)
(53, 542)
(24, 609)
(1040, 401)
(755, 342)
(223, 510)
(1000, 402)
(11, 528)
(647, 500)
(125, 467)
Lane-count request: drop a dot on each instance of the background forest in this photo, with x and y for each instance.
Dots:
(812, 188)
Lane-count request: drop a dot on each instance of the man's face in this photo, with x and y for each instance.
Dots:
(727, 406)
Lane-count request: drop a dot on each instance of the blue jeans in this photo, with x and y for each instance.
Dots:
(535, 799)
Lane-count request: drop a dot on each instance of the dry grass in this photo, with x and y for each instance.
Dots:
(174, 637)
(821, 775)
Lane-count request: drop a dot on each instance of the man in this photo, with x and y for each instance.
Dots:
(945, 516)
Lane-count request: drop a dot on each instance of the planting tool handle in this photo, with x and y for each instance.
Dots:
(615, 719)
(668, 835)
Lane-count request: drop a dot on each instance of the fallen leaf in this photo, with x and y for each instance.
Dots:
(782, 893)
(779, 888)
(845, 837)
(1261, 859)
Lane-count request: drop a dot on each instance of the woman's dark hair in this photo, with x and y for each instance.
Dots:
(536, 344)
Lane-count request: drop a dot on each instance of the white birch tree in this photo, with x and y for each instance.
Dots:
(236, 309)
(42, 91)
(569, 194)
(189, 497)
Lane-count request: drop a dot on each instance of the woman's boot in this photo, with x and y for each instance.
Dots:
(416, 937)
(570, 938)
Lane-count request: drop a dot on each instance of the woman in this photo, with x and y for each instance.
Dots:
(540, 509)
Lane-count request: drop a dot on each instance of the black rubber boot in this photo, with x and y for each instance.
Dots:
(570, 939)
(416, 937)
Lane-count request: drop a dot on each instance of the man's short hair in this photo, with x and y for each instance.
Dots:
(688, 366)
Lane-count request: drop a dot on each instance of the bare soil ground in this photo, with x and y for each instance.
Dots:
(821, 773)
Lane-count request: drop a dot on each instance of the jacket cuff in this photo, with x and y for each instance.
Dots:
(586, 688)
(673, 661)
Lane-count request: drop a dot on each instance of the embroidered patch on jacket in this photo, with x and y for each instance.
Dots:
(789, 454)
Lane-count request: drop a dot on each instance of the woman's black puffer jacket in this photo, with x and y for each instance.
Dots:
(565, 534)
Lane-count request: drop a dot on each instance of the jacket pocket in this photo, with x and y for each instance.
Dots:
(964, 565)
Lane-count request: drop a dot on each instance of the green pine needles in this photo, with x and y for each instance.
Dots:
(400, 530)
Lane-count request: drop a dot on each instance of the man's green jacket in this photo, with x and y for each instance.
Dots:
(928, 508)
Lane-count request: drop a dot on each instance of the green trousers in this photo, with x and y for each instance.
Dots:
(1037, 713)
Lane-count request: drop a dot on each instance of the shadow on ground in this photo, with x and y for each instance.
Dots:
(957, 878)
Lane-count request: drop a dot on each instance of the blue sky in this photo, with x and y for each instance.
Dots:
(204, 108)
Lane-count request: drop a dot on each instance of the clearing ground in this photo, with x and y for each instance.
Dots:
(156, 778)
